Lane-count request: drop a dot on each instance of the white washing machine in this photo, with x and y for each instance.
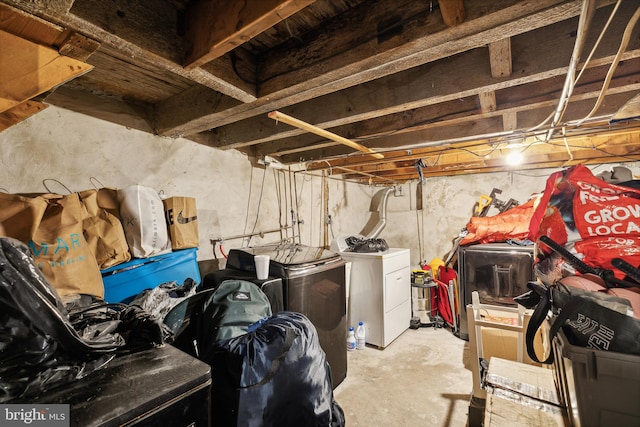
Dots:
(380, 293)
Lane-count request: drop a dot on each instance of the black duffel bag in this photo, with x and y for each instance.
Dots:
(588, 316)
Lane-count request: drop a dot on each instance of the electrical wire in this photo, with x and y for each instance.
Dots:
(626, 36)
(258, 209)
(276, 182)
(420, 225)
(246, 211)
(583, 23)
(584, 67)
(294, 214)
(222, 251)
(297, 199)
(566, 145)
(597, 43)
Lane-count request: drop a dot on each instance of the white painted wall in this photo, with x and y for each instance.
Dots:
(230, 196)
(70, 147)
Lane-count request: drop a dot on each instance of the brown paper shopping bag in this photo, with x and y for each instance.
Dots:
(20, 215)
(182, 221)
(102, 227)
(54, 236)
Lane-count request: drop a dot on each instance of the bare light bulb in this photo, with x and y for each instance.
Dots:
(514, 158)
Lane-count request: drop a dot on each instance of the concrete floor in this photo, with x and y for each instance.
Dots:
(420, 379)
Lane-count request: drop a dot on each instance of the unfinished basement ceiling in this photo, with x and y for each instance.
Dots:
(435, 88)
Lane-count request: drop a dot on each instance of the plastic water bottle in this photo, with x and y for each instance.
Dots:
(351, 339)
(360, 336)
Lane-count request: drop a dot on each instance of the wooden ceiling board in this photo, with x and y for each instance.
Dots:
(28, 69)
(30, 28)
(19, 113)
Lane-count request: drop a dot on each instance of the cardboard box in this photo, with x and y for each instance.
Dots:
(499, 332)
(505, 343)
(520, 394)
(508, 409)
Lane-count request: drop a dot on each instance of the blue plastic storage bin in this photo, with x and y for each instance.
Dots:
(124, 281)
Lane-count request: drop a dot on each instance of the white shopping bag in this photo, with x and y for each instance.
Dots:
(142, 216)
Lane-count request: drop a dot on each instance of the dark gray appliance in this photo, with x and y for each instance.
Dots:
(159, 386)
(313, 284)
(498, 271)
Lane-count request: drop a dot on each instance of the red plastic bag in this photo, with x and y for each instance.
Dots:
(595, 220)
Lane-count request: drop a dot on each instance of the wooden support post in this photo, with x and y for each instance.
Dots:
(452, 12)
(500, 58)
(487, 101)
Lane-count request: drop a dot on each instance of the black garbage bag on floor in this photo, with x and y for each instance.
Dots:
(274, 375)
(42, 344)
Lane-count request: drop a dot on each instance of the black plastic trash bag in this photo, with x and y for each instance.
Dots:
(274, 375)
(160, 300)
(42, 344)
(364, 245)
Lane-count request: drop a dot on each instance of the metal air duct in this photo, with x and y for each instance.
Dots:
(378, 218)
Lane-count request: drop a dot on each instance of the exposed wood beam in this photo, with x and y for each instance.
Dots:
(208, 37)
(627, 140)
(110, 109)
(78, 47)
(444, 80)
(127, 35)
(611, 148)
(630, 109)
(423, 40)
(452, 11)
(287, 84)
(500, 58)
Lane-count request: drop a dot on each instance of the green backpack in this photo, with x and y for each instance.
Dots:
(232, 307)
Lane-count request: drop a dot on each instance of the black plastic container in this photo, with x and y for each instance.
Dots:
(599, 388)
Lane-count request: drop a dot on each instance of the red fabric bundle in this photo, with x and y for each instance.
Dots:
(510, 224)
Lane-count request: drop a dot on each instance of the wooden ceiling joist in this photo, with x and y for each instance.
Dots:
(208, 37)
(285, 73)
(449, 82)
